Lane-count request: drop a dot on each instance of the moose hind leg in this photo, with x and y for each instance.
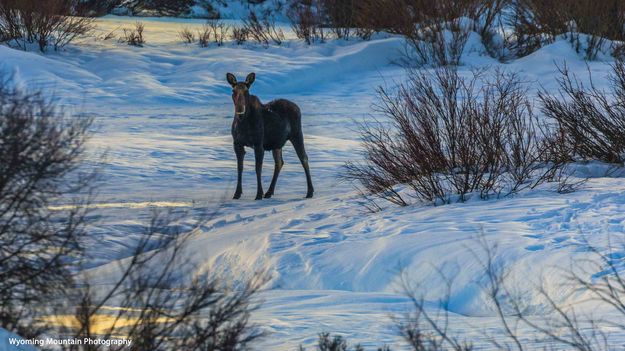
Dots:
(298, 144)
(259, 153)
(279, 162)
(239, 150)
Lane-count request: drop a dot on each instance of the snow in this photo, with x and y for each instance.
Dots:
(163, 115)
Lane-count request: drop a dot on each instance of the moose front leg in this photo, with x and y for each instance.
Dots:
(259, 152)
(239, 150)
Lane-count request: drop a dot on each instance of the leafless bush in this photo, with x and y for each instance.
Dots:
(487, 14)
(560, 328)
(602, 276)
(159, 7)
(263, 30)
(426, 332)
(490, 24)
(360, 18)
(214, 31)
(42, 246)
(436, 32)
(341, 15)
(160, 307)
(327, 342)
(426, 326)
(219, 30)
(598, 21)
(440, 35)
(97, 7)
(212, 12)
(306, 21)
(134, 36)
(26, 22)
(153, 300)
(451, 137)
(186, 35)
(204, 36)
(239, 35)
(432, 46)
(618, 51)
(587, 23)
(591, 122)
(364, 33)
(384, 15)
(535, 23)
(40, 150)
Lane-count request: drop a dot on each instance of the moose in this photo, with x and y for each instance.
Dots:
(265, 127)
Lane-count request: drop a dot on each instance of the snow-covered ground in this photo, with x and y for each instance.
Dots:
(163, 114)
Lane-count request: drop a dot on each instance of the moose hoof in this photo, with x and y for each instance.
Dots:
(259, 196)
(309, 195)
(236, 196)
(268, 195)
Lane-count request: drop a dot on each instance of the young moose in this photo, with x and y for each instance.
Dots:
(265, 127)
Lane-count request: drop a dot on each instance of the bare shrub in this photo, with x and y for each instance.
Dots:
(440, 34)
(306, 21)
(186, 35)
(135, 36)
(562, 326)
(213, 31)
(432, 46)
(488, 12)
(535, 23)
(602, 276)
(364, 33)
(151, 301)
(160, 307)
(427, 327)
(204, 35)
(212, 12)
(450, 137)
(490, 25)
(239, 35)
(384, 15)
(263, 29)
(341, 15)
(58, 23)
(97, 7)
(618, 51)
(40, 150)
(327, 342)
(590, 121)
(587, 23)
(424, 331)
(360, 18)
(559, 328)
(599, 21)
(220, 31)
(436, 32)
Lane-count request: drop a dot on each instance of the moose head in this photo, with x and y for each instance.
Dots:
(240, 92)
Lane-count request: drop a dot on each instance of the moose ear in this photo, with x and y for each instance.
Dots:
(250, 79)
(231, 79)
